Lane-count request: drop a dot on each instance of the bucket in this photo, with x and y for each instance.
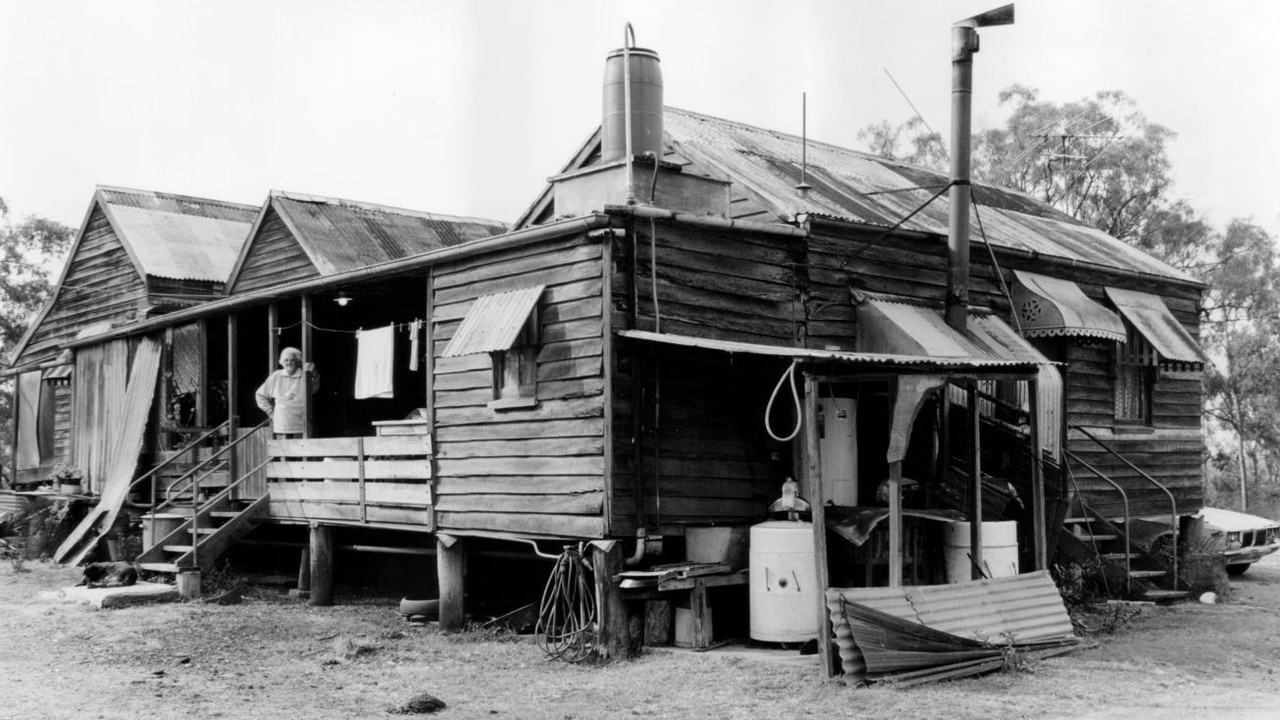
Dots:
(999, 550)
(188, 582)
(717, 545)
(165, 523)
(684, 628)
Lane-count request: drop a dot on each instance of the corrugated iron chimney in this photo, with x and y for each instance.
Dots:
(964, 43)
(632, 120)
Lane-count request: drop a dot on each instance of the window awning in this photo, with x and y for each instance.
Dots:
(1048, 306)
(1151, 317)
(494, 322)
(899, 326)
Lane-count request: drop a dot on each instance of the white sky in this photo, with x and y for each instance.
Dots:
(465, 107)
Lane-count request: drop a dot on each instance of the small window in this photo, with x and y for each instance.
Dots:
(1134, 371)
(507, 326)
(515, 370)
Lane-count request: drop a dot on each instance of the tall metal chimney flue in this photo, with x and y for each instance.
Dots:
(964, 43)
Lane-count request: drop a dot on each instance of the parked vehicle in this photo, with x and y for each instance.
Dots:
(1248, 538)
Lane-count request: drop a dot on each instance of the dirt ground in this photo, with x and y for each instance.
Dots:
(271, 656)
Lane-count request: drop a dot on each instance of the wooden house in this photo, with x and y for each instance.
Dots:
(682, 321)
(137, 255)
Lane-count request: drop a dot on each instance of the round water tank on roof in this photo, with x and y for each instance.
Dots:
(646, 104)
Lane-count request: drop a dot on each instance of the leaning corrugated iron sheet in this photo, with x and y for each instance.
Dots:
(863, 188)
(935, 632)
(179, 237)
(340, 235)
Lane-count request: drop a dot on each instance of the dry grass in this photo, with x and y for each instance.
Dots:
(272, 657)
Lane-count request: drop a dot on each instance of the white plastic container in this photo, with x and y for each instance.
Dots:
(783, 582)
(999, 550)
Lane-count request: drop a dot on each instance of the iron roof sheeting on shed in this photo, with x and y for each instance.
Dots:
(868, 359)
(1151, 317)
(863, 188)
(176, 236)
(1048, 307)
(493, 322)
(341, 235)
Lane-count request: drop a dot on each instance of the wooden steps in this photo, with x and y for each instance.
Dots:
(217, 526)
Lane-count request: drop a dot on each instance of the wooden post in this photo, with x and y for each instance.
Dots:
(1037, 479)
(273, 336)
(233, 372)
(321, 565)
(614, 640)
(813, 468)
(975, 470)
(451, 571)
(426, 342)
(202, 392)
(895, 524)
(307, 349)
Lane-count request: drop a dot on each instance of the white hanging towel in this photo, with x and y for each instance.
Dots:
(375, 355)
(415, 328)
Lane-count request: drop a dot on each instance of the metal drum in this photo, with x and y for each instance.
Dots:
(784, 582)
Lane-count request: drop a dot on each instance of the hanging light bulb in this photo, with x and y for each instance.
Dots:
(343, 299)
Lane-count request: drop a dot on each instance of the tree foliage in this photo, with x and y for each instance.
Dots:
(28, 250)
(1101, 161)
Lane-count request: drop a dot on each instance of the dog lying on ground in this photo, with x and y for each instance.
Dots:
(109, 574)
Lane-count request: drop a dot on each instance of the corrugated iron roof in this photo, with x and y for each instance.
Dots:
(869, 359)
(1152, 318)
(340, 235)
(896, 325)
(863, 188)
(177, 236)
(494, 322)
(1048, 306)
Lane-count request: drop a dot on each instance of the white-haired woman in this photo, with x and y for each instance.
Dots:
(281, 396)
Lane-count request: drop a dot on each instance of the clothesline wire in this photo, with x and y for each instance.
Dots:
(398, 326)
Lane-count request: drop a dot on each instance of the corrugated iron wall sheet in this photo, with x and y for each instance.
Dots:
(1026, 607)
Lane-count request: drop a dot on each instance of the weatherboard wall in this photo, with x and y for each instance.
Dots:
(273, 257)
(102, 288)
(537, 471)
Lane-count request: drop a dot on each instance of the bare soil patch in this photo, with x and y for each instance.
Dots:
(269, 656)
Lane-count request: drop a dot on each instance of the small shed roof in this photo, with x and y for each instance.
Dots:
(340, 235)
(177, 236)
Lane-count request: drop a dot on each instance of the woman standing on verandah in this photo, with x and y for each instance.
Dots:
(282, 395)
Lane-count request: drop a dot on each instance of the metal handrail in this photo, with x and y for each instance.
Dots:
(222, 495)
(148, 474)
(171, 490)
(1173, 503)
(1124, 496)
(195, 481)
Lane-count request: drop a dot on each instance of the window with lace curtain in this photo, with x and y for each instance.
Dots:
(1134, 370)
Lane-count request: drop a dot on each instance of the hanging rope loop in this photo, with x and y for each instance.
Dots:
(788, 375)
